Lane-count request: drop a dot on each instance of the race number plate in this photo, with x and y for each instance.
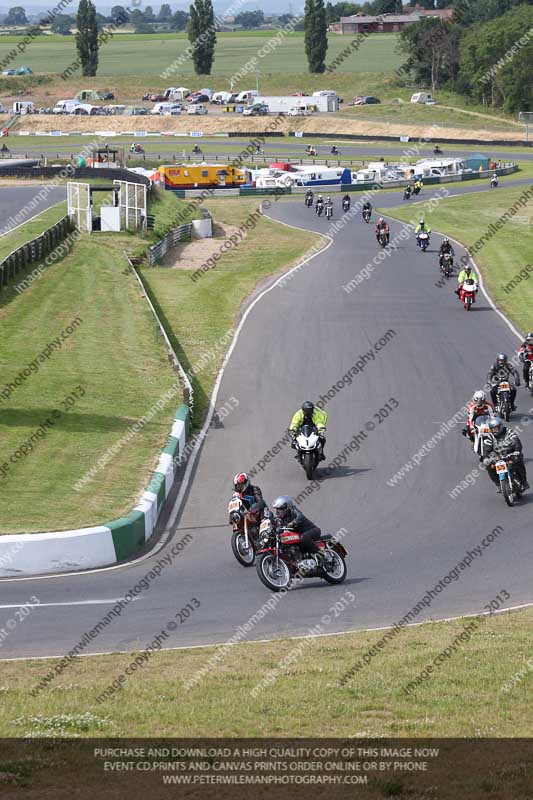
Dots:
(265, 526)
(501, 466)
(234, 504)
(504, 387)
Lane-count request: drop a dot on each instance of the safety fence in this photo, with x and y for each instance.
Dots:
(33, 251)
(157, 251)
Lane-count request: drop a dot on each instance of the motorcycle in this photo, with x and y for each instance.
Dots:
(329, 211)
(494, 183)
(345, 205)
(468, 294)
(407, 193)
(416, 189)
(245, 531)
(367, 214)
(446, 265)
(308, 201)
(529, 381)
(503, 400)
(382, 239)
(319, 208)
(422, 241)
(335, 152)
(308, 449)
(481, 434)
(137, 149)
(510, 485)
(437, 151)
(280, 559)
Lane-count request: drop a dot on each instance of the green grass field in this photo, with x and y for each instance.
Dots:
(115, 355)
(150, 55)
(483, 690)
(502, 257)
(10, 241)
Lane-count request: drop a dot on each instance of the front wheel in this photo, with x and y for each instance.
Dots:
(244, 555)
(335, 571)
(309, 464)
(273, 573)
(508, 494)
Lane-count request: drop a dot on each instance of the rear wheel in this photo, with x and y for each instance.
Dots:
(335, 571)
(273, 573)
(309, 464)
(244, 555)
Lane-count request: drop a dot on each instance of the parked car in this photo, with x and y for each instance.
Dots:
(258, 109)
(192, 109)
(366, 101)
(430, 102)
(199, 98)
(138, 111)
(107, 96)
(297, 111)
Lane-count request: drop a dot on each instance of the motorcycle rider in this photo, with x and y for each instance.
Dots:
(334, 150)
(407, 193)
(501, 443)
(329, 205)
(382, 227)
(367, 206)
(291, 518)
(196, 150)
(319, 202)
(502, 370)
(309, 196)
(422, 228)
(417, 186)
(524, 354)
(308, 414)
(346, 200)
(446, 247)
(477, 407)
(466, 274)
(494, 179)
(251, 496)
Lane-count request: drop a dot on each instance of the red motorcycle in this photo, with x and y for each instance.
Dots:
(280, 559)
(245, 531)
(468, 294)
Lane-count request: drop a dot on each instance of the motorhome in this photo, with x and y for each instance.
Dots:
(166, 108)
(221, 97)
(434, 167)
(247, 96)
(65, 106)
(284, 103)
(22, 107)
(380, 171)
(192, 176)
(325, 93)
(172, 94)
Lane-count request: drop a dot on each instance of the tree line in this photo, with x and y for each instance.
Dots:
(485, 53)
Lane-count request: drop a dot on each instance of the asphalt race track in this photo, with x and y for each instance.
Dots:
(298, 341)
(13, 199)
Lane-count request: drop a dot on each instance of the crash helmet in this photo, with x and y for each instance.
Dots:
(529, 337)
(283, 507)
(241, 482)
(496, 426)
(479, 397)
(501, 360)
(308, 409)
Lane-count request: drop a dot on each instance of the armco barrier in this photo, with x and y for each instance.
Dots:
(33, 251)
(157, 251)
(101, 545)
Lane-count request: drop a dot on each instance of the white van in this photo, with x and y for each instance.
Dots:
(324, 93)
(247, 96)
(221, 97)
(421, 97)
(65, 106)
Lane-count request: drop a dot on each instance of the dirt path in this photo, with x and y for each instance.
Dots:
(192, 255)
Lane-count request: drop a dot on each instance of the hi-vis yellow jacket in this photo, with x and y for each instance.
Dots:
(320, 419)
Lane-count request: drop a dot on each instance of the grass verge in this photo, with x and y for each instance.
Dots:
(200, 315)
(480, 690)
(34, 227)
(113, 352)
(504, 254)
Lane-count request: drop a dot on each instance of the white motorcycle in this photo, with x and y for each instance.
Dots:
(308, 448)
(481, 434)
(423, 241)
